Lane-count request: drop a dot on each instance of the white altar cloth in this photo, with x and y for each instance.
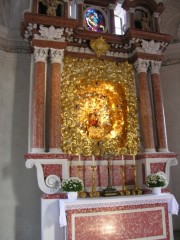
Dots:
(65, 204)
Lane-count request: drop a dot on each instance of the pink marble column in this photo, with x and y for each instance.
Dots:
(145, 105)
(38, 102)
(158, 107)
(55, 100)
(80, 13)
(157, 28)
(66, 8)
(112, 24)
(131, 11)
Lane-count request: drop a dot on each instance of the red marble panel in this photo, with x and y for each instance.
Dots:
(116, 176)
(118, 223)
(101, 175)
(54, 196)
(129, 175)
(156, 167)
(55, 169)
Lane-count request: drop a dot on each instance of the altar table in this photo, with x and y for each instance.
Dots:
(133, 217)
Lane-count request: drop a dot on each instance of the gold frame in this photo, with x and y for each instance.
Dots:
(83, 76)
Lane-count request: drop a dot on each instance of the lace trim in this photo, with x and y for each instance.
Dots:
(113, 204)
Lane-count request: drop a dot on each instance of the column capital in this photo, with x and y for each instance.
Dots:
(132, 10)
(141, 65)
(156, 14)
(40, 54)
(111, 6)
(56, 55)
(155, 67)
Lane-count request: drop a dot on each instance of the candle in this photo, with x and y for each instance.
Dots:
(93, 160)
(79, 160)
(123, 160)
(134, 160)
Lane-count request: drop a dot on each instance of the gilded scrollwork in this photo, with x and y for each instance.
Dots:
(99, 107)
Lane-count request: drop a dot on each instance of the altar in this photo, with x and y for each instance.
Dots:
(96, 113)
(138, 217)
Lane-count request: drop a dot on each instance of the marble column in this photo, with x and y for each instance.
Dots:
(80, 13)
(145, 105)
(66, 8)
(38, 102)
(112, 23)
(55, 100)
(131, 12)
(158, 107)
(156, 17)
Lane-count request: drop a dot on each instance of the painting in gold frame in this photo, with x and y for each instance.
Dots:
(98, 108)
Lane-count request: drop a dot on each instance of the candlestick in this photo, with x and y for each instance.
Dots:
(81, 194)
(136, 190)
(79, 159)
(93, 160)
(124, 191)
(93, 192)
(123, 160)
(134, 160)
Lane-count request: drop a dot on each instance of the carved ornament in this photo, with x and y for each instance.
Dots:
(99, 46)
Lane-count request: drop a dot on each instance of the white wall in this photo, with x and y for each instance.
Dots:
(19, 193)
(170, 81)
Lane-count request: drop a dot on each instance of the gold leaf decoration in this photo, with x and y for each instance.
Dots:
(99, 108)
(99, 46)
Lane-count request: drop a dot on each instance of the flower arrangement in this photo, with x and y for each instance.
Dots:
(72, 184)
(155, 180)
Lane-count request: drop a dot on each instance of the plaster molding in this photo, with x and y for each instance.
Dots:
(50, 33)
(12, 44)
(11, 59)
(152, 47)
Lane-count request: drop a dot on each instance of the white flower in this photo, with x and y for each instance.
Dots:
(155, 180)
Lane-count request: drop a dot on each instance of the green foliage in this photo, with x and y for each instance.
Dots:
(155, 180)
(72, 184)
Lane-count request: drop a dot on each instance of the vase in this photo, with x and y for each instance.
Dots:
(72, 195)
(156, 190)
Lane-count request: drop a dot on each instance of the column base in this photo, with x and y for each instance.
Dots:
(150, 150)
(55, 150)
(165, 150)
(37, 150)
